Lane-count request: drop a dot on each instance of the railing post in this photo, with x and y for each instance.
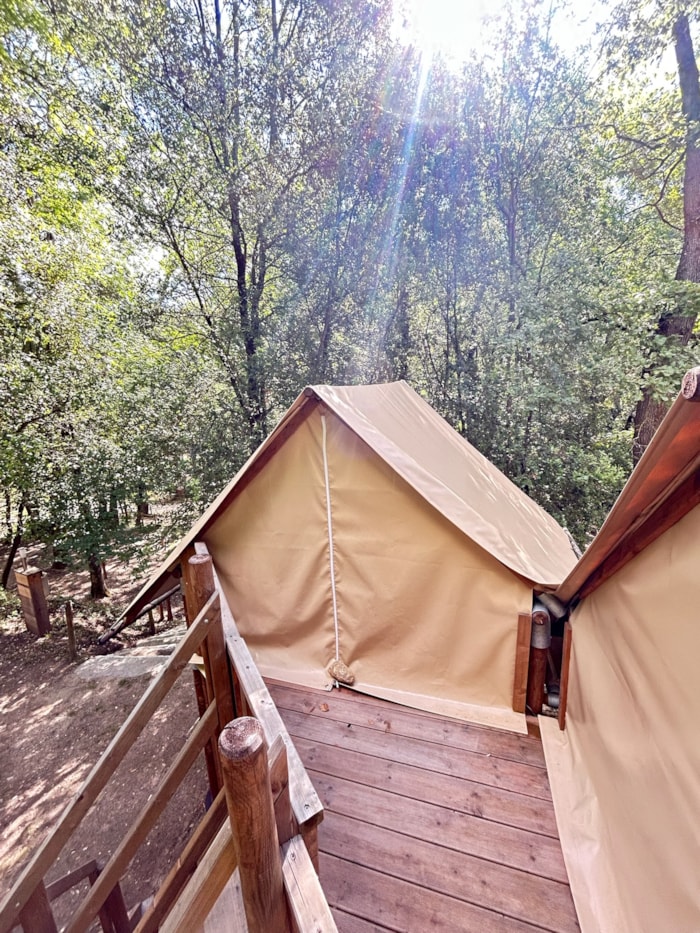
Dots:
(198, 571)
(214, 649)
(243, 753)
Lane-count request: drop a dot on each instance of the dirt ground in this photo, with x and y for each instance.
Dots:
(55, 725)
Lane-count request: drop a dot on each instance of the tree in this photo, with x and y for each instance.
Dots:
(639, 34)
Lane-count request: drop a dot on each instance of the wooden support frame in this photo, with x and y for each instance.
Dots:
(36, 915)
(565, 673)
(279, 778)
(679, 503)
(143, 824)
(308, 907)
(522, 661)
(306, 804)
(185, 866)
(208, 881)
(32, 877)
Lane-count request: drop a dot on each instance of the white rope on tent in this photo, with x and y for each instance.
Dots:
(330, 539)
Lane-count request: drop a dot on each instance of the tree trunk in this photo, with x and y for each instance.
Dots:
(676, 324)
(98, 586)
(16, 541)
(8, 517)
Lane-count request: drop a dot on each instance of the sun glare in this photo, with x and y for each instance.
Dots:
(451, 28)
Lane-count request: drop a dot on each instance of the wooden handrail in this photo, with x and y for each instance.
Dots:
(61, 885)
(293, 807)
(185, 866)
(202, 891)
(308, 908)
(143, 823)
(35, 871)
(306, 803)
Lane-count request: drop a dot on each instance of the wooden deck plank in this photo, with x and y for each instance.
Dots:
(482, 883)
(491, 803)
(422, 834)
(495, 772)
(360, 710)
(470, 835)
(401, 906)
(348, 923)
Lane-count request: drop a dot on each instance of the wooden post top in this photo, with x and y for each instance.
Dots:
(242, 738)
(29, 574)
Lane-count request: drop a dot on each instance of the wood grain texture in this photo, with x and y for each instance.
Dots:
(415, 783)
(204, 888)
(447, 871)
(243, 753)
(36, 916)
(522, 659)
(306, 805)
(73, 814)
(227, 914)
(471, 836)
(411, 843)
(350, 707)
(185, 865)
(308, 908)
(399, 905)
(486, 769)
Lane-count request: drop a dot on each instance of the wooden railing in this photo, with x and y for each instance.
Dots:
(219, 851)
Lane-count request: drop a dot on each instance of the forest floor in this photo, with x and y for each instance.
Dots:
(57, 720)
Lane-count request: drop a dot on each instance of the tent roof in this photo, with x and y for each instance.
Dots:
(458, 481)
(663, 487)
(436, 461)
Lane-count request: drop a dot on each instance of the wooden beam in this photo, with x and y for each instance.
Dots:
(114, 912)
(679, 503)
(61, 885)
(36, 915)
(279, 786)
(216, 656)
(185, 866)
(243, 753)
(227, 913)
(35, 608)
(522, 660)
(143, 824)
(564, 678)
(308, 907)
(198, 586)
(204, 887)
(74, 813)
(70, 630)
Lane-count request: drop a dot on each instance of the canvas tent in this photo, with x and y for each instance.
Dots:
(364, 528)
(625, 772)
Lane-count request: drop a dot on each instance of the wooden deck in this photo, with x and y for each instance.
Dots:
(430, 823)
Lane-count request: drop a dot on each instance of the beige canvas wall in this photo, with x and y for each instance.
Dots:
(626, 772)
(425, 616)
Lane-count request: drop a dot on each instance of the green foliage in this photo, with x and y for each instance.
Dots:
(205, 206)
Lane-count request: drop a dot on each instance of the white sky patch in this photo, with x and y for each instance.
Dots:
(450, 27)
(456, 28)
